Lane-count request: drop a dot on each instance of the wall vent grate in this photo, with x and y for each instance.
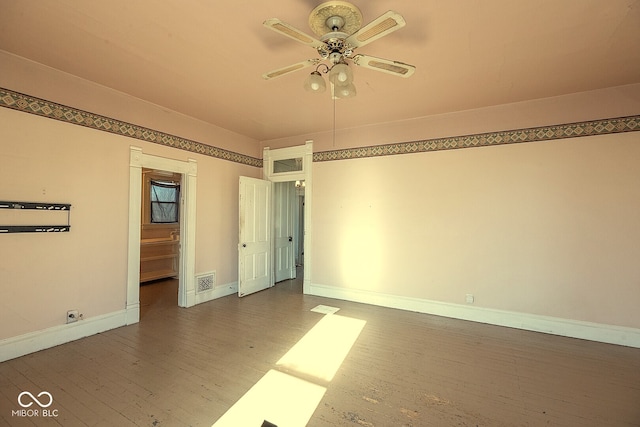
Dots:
(206, 281)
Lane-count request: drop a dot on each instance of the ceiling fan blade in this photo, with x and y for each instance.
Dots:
(385, 65)
(283, 28)
(290, 69)
(379, 27)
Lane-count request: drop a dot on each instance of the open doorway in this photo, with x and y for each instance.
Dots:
(186, 268)
(291, 168)
(288, 229)
(299, 224)
(159, 238)
(256, 245)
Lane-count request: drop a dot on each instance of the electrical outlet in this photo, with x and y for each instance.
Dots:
(469, 299)
(72, 316)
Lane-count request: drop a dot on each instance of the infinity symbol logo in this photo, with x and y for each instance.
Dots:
(35, 399)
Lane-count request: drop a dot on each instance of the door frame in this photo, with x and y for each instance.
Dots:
(306, 153)
(186, 265)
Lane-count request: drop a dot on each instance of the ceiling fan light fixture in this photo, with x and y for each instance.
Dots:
(315, 83)
(346, 91)
(341, 74)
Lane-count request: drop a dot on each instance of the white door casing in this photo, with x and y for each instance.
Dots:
(186, 273)
(254, 247)
(305, 152)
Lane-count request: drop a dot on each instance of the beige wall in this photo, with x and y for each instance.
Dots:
(613, 102)
(31, 78)
(548, 228)
(545, 228)
(44, 275)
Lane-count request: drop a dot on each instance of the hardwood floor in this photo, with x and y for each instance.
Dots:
(186, 367)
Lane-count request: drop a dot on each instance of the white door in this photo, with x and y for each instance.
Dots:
(254, 247)
(284, 256)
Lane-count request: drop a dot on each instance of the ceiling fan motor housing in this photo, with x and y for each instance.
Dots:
(334, 22)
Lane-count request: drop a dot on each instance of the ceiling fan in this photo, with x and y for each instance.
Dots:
(339, 31)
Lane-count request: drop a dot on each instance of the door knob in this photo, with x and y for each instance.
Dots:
(290, 239)
(244, 245)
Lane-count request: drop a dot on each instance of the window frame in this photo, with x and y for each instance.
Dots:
(176, 202)
(149, 175)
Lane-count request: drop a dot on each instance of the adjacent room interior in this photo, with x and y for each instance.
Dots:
(400, 213)
(160, 235)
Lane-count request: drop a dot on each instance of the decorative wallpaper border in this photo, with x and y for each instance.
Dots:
(544, 133)
(28, 104)
(40, 107)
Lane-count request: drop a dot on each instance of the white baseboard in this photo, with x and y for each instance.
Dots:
(610, 334)
(190, 298)
(217, 292)
(13, 347)
(133, 313)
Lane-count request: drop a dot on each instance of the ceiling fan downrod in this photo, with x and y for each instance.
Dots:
(335, 23)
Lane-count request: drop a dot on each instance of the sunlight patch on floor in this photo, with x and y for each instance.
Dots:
(289, 394)
(279, 398)
(322, 350)
(324, 309)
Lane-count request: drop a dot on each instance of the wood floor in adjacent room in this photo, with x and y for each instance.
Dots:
(186, 367)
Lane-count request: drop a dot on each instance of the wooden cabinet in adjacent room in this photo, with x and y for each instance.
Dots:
(158, 258)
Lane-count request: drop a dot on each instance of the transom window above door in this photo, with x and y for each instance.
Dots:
(287, 165)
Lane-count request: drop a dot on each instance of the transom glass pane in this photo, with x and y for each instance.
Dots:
(287, 165)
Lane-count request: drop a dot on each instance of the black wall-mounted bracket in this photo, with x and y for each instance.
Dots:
(36, 228)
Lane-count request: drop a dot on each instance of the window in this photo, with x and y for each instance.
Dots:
(287, 165)
(165, 202)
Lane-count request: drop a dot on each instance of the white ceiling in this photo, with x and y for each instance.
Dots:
(205, 58)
